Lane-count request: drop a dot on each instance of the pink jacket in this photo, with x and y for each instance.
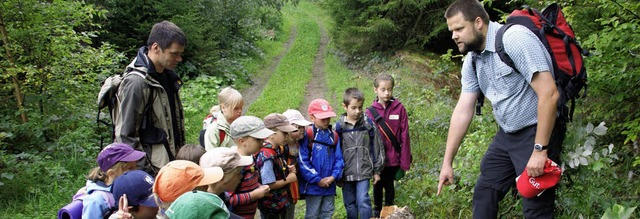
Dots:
(396, 116)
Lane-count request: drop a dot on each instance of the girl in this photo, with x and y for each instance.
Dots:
(217, 133)
(113, 161)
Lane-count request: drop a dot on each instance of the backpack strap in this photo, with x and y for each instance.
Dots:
(386, 130)
(107, 197)
(480, 100)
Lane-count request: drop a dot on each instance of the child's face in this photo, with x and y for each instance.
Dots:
(232, 179)
(297, 135)
(354, 109)
(233, 113)
(384, 91)
(321, 123)
(145, 212)
(250, 145)
(278, 138)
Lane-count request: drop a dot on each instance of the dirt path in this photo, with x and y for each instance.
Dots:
(261, 79)
(316, 88)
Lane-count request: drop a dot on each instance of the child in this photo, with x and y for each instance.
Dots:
(180, 176)
(136, 187)
(198, 205)
(388, 113)
(248, 133)
(231, 104)
(192, 152)
(363, 155)
(274, 170)
(232, 164)
(297, 120)
(321, 163)
(113, 161)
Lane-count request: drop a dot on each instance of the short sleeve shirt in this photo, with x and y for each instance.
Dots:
(514, 102)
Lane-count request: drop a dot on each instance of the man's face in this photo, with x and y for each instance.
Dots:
(354, 109)
(169, 57)
(465, 33)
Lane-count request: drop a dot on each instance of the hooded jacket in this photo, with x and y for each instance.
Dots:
(396, 116)
(212, 134)
(362, 157)
(318, 162)
(129, 119)
(94, 204)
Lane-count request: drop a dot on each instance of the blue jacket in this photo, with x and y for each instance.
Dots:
(318, 162)
(94, 203)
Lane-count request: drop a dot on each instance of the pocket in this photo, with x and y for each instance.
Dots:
(506, 81)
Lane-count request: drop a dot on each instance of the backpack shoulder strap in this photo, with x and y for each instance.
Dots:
(499, 45)
(310, 136)
(336, 138)
(107, 197)
(386, 130)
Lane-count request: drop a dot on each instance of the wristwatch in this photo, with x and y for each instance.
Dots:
(539, 147)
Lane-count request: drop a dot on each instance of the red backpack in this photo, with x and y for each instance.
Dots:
(556, 34)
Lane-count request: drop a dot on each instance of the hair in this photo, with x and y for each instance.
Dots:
(96, 174)
(470, 9)
(190, 152)
(383, 77)
(229, 98)
(165, 33)
(352, 93)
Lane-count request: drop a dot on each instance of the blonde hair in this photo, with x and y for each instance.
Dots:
(96, 174)
(229, 98)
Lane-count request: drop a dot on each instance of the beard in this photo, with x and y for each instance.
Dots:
(474, 44)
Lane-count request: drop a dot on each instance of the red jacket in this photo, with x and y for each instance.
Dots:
(396, 116)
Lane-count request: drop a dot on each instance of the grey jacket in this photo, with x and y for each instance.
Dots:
(356, 149)
(129, 120)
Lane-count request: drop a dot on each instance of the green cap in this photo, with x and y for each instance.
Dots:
(196, 205)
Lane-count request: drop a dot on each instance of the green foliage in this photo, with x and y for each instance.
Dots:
(367, 26)
(618, 212)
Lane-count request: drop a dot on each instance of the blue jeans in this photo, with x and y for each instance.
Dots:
(319, 206)
(356, 199)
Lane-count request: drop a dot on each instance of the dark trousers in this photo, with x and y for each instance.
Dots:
(505, 159)
(387, 176)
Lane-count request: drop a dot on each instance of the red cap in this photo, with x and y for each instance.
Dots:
(321, 109)
(530, 187)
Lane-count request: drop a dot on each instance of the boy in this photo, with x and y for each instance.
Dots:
(248, 134)
(363, 154)
(388, 113)
(136, 187)
(274, 169)
(321, 164)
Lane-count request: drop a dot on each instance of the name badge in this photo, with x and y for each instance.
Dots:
(394, 117)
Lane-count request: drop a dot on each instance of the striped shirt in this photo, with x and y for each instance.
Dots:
(240, 200)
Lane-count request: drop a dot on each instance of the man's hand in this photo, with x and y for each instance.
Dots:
(535, 166)
(446, 177)
(376, 178)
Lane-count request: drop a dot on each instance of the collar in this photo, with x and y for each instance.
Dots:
(490, 42)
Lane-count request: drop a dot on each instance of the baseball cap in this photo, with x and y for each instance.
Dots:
(198, 205)
(295, 117)
(180, 176)
(138, 185)
(116, 152)
(530, 187)
(321, 109)
(249, 126)
(278, 121)
(226, 158)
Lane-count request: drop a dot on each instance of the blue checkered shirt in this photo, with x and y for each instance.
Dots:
(514, 102)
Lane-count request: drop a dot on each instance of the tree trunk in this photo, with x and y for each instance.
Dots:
(14, 78)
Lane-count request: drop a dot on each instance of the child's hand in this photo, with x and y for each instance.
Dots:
(376, 178)
(292, 169)
(123, 208)
(261, 191)
(326, 182)
(292, 177)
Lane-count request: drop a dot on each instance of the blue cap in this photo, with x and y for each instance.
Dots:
(138, 185)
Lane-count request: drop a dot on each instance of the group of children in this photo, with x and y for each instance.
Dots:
(245, 164)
